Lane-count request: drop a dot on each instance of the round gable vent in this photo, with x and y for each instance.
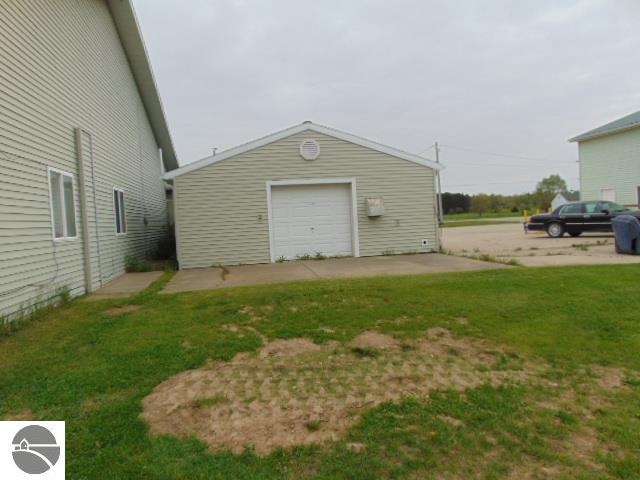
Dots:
(309, 149)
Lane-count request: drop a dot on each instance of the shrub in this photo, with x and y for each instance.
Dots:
(134, 264)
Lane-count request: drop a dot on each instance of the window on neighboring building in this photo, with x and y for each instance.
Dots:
(63, 204)
(119, 211)
(608, 194)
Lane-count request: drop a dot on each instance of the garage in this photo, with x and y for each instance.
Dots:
(308, 190)
(310, 219)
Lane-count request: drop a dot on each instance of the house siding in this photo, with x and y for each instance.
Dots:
(612, 161)
(222, 214)
(62, 67)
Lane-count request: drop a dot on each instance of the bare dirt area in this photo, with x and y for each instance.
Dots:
(509, 241)
(294, 392)
(116, 311)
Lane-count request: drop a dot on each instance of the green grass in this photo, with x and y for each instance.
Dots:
(80, 365)
(475, 223)
(475, 216)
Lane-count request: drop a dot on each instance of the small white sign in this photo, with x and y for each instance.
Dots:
(32, 450)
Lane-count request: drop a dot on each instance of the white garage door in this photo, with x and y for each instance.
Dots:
(308, 219)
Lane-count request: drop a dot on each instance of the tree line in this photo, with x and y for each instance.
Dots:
(480, 203)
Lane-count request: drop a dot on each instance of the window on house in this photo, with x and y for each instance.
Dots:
(63, 204)
(119, 211)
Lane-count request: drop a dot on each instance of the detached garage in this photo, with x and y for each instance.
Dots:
(300, 192)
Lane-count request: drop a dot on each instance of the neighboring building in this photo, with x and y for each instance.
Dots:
(610, 161)
(564, 197)
(82, 139)
(305, 190)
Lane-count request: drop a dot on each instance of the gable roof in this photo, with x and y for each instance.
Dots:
(619, 125)
(303, 127)
(573, 196)
(129, 32)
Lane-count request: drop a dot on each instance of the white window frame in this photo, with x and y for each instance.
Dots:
(62, 174)
(116, 213)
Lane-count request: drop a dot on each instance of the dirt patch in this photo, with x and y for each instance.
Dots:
(375, 340)
(229, 327)
(450, 420)
(18, 416)
(610, 377)
(115, 311)
(273, 398)
(356, 447)
(287, 348)
(251, 313)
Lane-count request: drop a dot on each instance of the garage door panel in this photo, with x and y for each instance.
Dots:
(311, 218)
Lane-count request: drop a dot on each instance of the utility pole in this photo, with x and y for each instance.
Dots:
(440, 212)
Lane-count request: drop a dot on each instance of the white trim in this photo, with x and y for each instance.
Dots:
(355, 235)
(62, 174)
(303, 127)
(116, 213)
(176, 228)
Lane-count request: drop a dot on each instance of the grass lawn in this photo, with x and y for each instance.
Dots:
(475, 216)
(576, 417)
(474, 223)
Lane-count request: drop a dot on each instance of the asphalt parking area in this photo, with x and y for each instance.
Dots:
(509, 241)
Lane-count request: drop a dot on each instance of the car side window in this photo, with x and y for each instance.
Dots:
(614, 207)
(593, 207)
(571, 208)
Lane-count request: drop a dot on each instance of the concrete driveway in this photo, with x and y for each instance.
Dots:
(533, 249)
(213, 278)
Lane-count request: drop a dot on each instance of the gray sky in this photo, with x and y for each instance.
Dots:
(512, 77)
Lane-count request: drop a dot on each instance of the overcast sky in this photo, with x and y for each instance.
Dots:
(509, 77)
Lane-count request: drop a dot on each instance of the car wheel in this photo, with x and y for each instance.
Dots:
(555, 230)
(575, 234)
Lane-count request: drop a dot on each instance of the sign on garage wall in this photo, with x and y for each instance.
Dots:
(375, 206)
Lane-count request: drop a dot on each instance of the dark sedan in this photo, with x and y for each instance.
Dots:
(577, 217)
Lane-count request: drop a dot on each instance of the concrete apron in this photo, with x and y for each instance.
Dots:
(245, 275)
(125, 285)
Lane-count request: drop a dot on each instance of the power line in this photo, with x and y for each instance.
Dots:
(489, 183)
(519, 165)
(494, 183)
(496, 154)
(427, 149)
(504, 155)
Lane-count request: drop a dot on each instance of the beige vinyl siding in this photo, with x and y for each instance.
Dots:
(62, 67)
(611, 162)
(222, 215)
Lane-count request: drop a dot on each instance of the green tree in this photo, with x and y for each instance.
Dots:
(547, 188)
(480, 203)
